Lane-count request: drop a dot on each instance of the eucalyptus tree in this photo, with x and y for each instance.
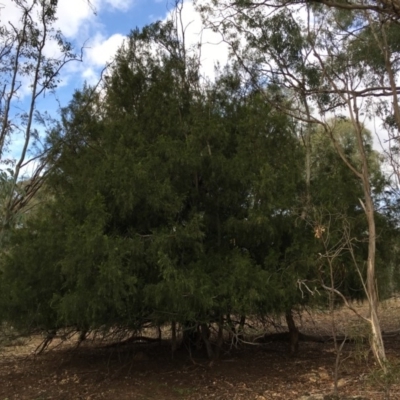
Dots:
(319, 55)
(27, 73)
(335, 192)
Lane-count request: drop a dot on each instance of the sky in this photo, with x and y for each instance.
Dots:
(99, 27)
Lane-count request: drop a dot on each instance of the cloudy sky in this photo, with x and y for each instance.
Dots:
(99, 27)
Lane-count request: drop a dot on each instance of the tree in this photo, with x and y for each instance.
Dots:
(335, 193)
(161, 196)
(174, 200)
(314, 52)
(25, 63)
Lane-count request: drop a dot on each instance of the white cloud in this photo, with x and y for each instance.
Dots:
(78, 22)
(213, 49)
(9, 13)
(102, 50)
(75, 15)
(91, 76)
(71, 14)
(122, 5)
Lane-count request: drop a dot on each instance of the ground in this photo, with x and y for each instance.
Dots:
(98, 370)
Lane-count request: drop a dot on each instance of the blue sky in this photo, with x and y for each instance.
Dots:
(101, 28)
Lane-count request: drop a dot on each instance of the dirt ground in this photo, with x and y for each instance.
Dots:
(98, 370)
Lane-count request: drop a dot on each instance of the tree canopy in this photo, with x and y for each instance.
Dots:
(171, 199)
(165, 196)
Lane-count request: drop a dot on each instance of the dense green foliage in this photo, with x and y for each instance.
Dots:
(172, 199)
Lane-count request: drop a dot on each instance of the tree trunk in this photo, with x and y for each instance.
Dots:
(173, 338)
(377, 345)
(220, 337)
(241, 327)
(293, 332)
(82, 336)
(205, 334)
(231, 327)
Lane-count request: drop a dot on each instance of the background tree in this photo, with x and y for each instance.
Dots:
(25, 64)
(311, 50)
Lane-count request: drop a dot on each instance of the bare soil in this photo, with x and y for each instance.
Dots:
(98, 370)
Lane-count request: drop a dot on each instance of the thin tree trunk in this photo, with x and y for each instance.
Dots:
(173, 338)
(293, 332)
(241, 326)
(220, 338)
(377, 344)
(205, 334)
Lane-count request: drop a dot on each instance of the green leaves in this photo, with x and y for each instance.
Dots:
(156, 190)
(173, 201)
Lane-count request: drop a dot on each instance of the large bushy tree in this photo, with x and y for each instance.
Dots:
(177, 200)
(166, 201)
